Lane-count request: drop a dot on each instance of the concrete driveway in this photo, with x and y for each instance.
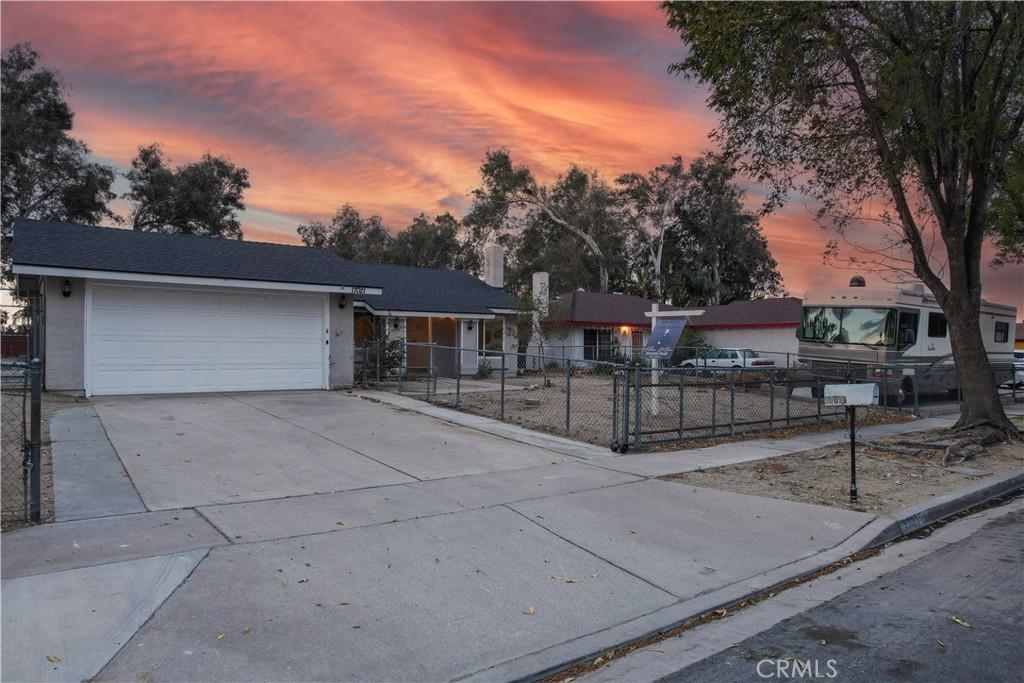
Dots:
(188, 451)
(320, 536)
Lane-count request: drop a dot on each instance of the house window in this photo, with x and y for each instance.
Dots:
(1002, 332)
(936, 325)
(597, 344)
(638, 342)
(492, 334)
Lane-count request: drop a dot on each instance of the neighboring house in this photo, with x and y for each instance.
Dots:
(593, 326)
(608, 327)
(133, 312)
(767, 325)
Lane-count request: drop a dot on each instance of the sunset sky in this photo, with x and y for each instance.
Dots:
(391, 107)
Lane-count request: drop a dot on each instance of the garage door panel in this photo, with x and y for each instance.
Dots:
(156, 340)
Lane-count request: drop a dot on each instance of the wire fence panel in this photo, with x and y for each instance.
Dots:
(14, 396)
(630, 405)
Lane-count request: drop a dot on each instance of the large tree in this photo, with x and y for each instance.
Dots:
(693, 242)
(200, 198)
(916, 104)
(433, 244)
(349, 235)
(578, 203)
(46, 173)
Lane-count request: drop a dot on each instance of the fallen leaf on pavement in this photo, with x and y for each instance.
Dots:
(247, 630)
(53, 659)
(220, 636)
(531, 611)
(961, 622)
(941, 644)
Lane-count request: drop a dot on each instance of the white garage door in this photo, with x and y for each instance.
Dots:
(145, 340)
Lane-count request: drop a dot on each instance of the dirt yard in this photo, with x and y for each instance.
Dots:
(886, 481)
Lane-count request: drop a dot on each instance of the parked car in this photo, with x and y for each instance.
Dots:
(730, 359)
(1018, 369)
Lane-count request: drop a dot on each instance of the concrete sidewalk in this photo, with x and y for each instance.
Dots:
(482, 575)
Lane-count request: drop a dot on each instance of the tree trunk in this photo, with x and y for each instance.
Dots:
(981, 404)
(603, 274)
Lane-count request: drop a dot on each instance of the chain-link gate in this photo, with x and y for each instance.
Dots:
(21, 388)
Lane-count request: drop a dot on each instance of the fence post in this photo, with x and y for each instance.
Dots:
(379, 344)
(637, 408)
(789, 395)
(917, 406)
(430, 367)
(771, 405)
(402, 363)
(35, 440)
(458, 375)
(503, 385)
(624, 446)
(714, 406)
(615, 409)
(732, 408)
(817, 383)
(682, 404)
(568, 393)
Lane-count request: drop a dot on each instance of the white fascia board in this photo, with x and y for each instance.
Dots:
(503, 311)
(675, 314)
(117, 276)
(424, 314)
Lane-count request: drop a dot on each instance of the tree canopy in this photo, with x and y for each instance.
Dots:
(349, 235)
(46, 173)
(915, 105)
(200, 198)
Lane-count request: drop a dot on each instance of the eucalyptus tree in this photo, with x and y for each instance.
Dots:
(915, 105)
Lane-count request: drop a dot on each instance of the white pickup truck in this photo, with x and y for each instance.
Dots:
(730, 359)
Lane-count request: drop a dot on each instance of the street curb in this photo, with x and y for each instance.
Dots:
(921, 515)
(879, 531)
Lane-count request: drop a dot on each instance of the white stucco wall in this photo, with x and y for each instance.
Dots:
(341, 349)
(64, 338)
(773, 342)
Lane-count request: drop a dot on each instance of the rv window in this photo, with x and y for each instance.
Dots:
(1002, 332)
(873, 326)
(907, 333)
(936, 325)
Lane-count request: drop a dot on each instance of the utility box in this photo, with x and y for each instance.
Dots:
(850, 395)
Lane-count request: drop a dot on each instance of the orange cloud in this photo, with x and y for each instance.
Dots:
(389, 107)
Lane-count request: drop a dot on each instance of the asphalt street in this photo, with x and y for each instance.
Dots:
(954, 615)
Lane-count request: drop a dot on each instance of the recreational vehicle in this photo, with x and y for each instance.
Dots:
(896, 336)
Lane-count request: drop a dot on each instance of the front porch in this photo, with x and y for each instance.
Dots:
(417, 345)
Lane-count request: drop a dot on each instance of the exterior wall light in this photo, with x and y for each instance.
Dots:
(470, 326)
(65, 289)
(342, 300)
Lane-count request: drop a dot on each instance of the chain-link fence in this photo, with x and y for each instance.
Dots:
(21, 388)
(635, 405)
(20, 450)
(550, 394)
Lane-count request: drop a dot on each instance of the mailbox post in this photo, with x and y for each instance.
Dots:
(851, 396)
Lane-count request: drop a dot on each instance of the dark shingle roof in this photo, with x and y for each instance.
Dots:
(783, 312)
(434, 290)
(604, 309)
(86, 247)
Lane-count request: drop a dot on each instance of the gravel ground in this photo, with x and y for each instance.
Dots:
(886, 481)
